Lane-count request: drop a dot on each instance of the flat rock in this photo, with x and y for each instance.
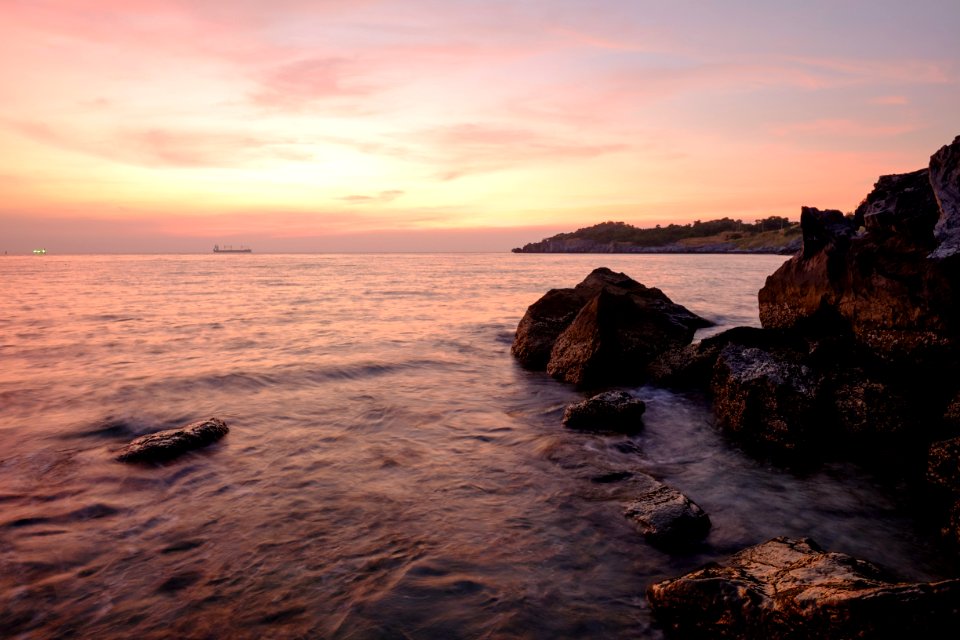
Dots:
(165, 445)
(610, 411)
(792, 589)
(667, 518)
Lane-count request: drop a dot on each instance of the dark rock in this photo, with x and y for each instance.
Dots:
(879, 285)
(546, 318)
(607, 327)
(616, 334)
(692, 365)
(612, 410)
(165, 445)
(766, 398)
(943, 464)
(792, 589)
(945, 180)
(901, 205)
(666, 517)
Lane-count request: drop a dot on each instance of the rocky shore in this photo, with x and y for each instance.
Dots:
(857, 358)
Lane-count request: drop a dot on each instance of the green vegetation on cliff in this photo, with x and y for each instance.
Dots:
(774, 234)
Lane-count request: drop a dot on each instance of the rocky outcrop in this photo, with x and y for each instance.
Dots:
(604, 330)
(945, 180)
(169, 444)
(667, 518)
(943, 471)
(791, 589)
(608, 411)
(878, 284)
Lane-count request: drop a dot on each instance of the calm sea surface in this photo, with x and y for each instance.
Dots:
(390, 471)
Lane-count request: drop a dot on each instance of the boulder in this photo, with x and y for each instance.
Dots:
(792, 589)
(604, 330)
(667, 518)
(546, 318)
(165, 445)
(945, 180)
(611, 411)
(767, 398)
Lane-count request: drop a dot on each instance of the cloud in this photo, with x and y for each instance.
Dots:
(166, 147)
(295, 85)
(468, 148)
(384, 196)
(890, 100)
(839, 127)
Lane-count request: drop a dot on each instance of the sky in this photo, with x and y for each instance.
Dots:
(451, 125)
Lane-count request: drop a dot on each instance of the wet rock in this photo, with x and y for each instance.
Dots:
(667, 518)
(165, 445)
(612, 410)
(945, 180)
(602, 331)
(792, 589)
(546, 318)
(766, 398)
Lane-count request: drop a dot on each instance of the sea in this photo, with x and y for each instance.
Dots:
(390, 471)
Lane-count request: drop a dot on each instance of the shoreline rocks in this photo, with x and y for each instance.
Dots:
(787, 588)
(603, 331)
(611, 411)
(667, 518)
(166, 445)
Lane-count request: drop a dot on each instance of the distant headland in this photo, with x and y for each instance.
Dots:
(774, 234)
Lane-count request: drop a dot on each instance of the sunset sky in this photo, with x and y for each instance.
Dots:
(335, 125)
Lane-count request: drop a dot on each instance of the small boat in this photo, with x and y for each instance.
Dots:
(229, 249)
(39, 252)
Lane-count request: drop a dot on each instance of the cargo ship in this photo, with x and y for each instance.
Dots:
(229, 249)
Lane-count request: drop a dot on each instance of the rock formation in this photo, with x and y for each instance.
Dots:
(668, 518)
(611, 410)
(604, 330)
(792, 589)
(881, 284)
(165, 445)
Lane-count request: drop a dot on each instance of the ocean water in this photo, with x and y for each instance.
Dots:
(390, 471)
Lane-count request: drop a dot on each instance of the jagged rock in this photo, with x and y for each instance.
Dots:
(766, 398)
(877, 286)
(606, 328)
(666, 517)
(165, 445)
(612, 410)
(546, 318)
(692, 365)
(945, 180)
(901, 205)
(791, 589)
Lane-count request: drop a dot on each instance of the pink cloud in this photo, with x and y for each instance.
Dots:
(384, 196)
(841, 127)
(890, 100)
(165, 147)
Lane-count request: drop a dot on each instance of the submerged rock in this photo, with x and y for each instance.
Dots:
(667, 518)
(604, 330)
(788, 588)
(165, 445)
(611, 410)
